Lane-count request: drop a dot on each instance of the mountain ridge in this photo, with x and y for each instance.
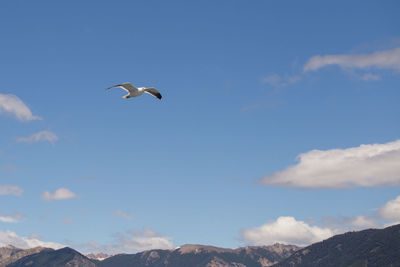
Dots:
(64, 257)
(10, 253)
(371, 247)
(198, 255)
(201, 255)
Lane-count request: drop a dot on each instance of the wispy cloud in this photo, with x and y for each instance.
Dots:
(11, 190)
(39, 136)
(285, 230)
(8, 167)
(14, 218)
(277, 82)
(59, 194)
(386, 215)
(67, 220)
(145, 239)
(87, 179)
(386, 59)
(347, 223)
(34, 236)
(11, 104)
(11, 238)
(267, 104)
(366, 165)
(123, 214)
(7, 219)
(370, 77)
(132, 241)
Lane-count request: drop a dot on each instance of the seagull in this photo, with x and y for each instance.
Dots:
(137, 91)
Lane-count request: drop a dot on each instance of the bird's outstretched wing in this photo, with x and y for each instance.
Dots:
(126, 86)
(153, 91)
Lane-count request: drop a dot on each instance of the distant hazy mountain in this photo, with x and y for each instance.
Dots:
(10, 254)
(371, 247)
(65, 257)
(201, 256)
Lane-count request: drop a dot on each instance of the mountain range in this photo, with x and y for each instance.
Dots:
(372, 247)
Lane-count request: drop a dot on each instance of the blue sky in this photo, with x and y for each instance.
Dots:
(277, 117)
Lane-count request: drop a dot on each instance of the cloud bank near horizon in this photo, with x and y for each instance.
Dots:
(8, 237)
(288, 230)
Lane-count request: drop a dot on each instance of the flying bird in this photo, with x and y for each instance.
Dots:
(137, 91)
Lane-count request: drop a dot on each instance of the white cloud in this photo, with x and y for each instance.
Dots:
(13, 105)
(286, 230)
(123, 214)
(39, 136)
(11, 238)
(16, 217)
(10, 190)
(7, 219)
(391, 210)
(387, 59)
(61, 193)
(366, 165)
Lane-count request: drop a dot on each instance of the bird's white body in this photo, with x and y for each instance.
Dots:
(134, 93)
(137, 91)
